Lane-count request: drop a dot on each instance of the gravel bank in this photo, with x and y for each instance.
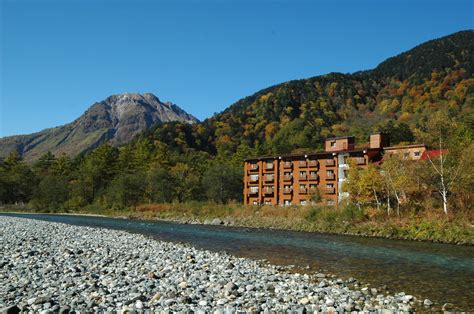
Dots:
(53, 267)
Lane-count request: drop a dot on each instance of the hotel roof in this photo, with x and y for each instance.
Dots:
(323, 153)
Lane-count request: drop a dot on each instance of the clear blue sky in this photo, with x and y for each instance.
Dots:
(59, 57)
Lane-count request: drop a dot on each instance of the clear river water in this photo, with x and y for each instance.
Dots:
(441, 272)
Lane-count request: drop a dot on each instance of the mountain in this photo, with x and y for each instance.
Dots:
(117, 119)
(398, 96)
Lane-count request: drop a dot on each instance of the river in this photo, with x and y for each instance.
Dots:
(441, 272)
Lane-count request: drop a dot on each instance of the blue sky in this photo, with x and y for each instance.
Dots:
(60, 56)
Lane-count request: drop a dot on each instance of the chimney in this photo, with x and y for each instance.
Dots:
(379, 140)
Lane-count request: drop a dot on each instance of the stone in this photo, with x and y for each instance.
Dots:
(183, 285)
(139, 305)
(304, 301)
(13, 309)
(216, 222)
(407, 298)
(250, 287)
(230, 286)
(427, 303)
(202, 303)
(221, 302)
(447, 307)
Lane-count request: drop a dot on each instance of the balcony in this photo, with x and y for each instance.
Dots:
(269, 178)
(329, 162)
(303, 190)
(268, 190)
(303, 163)
(253, 179)
(253, 167)
(303, 176)
(313, 176)
(253, 191)
(269, 166)
(287, 164)
(313, 163)
(287, 177)
(360, 160)
(330, 176)
(330, 190)
(287, 190)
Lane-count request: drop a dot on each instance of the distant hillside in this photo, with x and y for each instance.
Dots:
(397, 97)
(117, 119)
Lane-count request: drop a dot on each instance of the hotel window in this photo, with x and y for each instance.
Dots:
(303, 202)
(329, 173)
(329, 185)
(287, 202)
(267, 202)
(255, 202)
(287, 187)
(254, 177)
(330, 202)
(254, 189)
(333, 143)
(417, 154)
(312, 186)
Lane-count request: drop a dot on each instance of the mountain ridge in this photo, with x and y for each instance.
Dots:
(398, 97)
(117, 119)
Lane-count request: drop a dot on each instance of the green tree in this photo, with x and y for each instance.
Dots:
(44, 164)
(223, 183)
(125, 190)
(185, 182)
(451, 167)
(51, 193)
(397, 179)
(96, 170)
(18, 180)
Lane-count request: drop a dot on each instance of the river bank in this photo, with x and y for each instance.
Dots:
(57, 267)
(455, 229)
(433, 226)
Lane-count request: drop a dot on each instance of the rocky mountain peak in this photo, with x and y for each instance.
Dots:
(117, 119)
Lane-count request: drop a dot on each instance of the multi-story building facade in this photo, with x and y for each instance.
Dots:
(294, 179)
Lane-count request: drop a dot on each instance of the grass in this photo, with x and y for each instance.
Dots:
(426, 225)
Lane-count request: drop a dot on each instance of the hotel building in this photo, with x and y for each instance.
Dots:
(293, 179)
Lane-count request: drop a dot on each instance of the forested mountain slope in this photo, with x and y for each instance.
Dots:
(397, 97)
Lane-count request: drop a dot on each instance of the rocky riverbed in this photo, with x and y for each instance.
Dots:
(51, 267)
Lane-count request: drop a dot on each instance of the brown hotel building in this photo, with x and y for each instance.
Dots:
(292, 179)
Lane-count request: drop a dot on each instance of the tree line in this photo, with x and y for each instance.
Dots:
(149, 171)
(144, 171)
